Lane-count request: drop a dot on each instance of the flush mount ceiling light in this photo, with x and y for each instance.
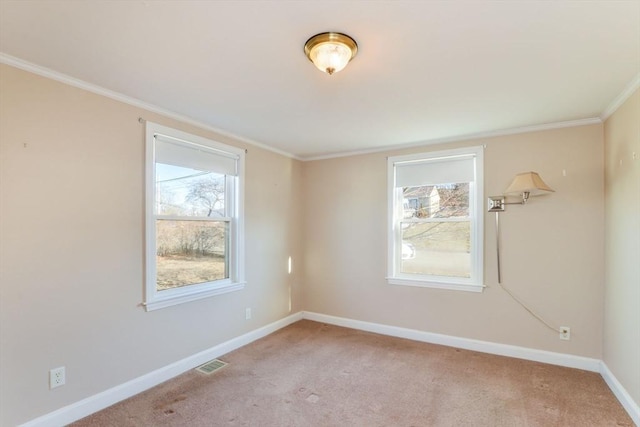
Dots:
(330, 52)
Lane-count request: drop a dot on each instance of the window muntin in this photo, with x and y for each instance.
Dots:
(194, 217)
(435, 236)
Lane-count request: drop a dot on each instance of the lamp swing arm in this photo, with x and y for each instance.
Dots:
(497, 203)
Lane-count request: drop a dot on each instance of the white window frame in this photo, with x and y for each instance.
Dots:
(234, 196)
(476, 216)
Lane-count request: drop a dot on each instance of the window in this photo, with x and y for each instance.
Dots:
(194, 219)
(435, 219)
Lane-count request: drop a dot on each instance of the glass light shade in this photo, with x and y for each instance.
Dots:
(527, 182)
(330, 52)
(330, 57)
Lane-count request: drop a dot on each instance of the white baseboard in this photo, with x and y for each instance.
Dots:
(88, 406)
(560, 359)
(621, 393)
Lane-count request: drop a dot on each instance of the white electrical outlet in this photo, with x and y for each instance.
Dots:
(57, 377)
(565, 333)
(247, 313)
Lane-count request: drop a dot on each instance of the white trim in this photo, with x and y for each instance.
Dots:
(621, 393)
(560, 359)
(90, 87)
(395, 216)
(234, 209)
(158, 303)
(460, 138)
(629, 90)
(90, 405)
(543, 356)
(454, 286)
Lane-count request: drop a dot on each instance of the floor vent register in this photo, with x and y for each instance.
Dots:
(211, 366)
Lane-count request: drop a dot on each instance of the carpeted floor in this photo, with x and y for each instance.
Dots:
(312, 374)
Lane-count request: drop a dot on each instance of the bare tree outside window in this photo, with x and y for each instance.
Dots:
(208, 194)
(194, 217)
(190, 251)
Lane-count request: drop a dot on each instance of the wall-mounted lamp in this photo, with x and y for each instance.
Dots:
(525, 184)
(330, 52)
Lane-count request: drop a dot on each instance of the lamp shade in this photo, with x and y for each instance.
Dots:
(330, 52)
(527, 182)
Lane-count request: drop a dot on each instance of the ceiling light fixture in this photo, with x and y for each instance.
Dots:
(330, 52)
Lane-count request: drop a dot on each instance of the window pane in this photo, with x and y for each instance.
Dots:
(189, 192)
(190, 252)
(436, 201)
(436, 248)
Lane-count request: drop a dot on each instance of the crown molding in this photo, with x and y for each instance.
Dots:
(72, 81)
(467, 137)
(81, 84)
(629, 90)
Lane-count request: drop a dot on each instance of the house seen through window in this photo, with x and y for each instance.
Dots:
(435, 219)
(439, 230)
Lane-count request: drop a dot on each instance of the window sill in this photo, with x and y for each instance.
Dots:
(159, 302)
(435, 285)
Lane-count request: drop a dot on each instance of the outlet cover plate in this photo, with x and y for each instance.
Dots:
(57, 377)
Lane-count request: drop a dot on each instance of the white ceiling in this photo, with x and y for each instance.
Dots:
(425, 71)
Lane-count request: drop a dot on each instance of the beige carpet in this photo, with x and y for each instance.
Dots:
(311, 374)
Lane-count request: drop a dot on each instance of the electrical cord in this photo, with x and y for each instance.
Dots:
(529, 310)
(516, 299)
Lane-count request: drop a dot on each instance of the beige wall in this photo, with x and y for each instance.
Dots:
(622, 262)
(71, 249)
(552, 247)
